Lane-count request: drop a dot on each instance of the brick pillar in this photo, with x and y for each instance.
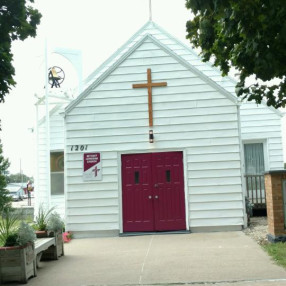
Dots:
(275, 207)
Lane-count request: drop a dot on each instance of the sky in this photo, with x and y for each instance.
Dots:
(97, 28)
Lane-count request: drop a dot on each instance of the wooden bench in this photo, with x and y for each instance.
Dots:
(42, 244)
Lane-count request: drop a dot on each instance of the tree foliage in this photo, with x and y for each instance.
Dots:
(248, 35)
(17, 22)
(4, 165)
(18, 178)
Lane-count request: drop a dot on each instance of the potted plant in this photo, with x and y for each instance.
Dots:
(41, 221)
(17, 256)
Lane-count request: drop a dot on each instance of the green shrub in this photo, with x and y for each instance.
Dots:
(25, 234)
(55, 223)
(11, 240)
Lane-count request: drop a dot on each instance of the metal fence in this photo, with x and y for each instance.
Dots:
(256, 190)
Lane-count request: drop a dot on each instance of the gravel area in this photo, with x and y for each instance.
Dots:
(257, 229)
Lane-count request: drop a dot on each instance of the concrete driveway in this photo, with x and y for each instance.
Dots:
(226, 258)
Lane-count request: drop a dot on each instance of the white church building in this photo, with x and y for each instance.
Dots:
(157, 141)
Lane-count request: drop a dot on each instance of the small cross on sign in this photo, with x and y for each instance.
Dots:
(96, 171)
(149, 85)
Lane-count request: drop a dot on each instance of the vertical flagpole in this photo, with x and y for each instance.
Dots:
(150, 10)
(47, 129)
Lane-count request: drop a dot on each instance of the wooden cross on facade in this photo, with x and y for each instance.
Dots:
(149, 85)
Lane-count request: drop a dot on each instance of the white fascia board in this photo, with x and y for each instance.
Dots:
(128, 53)
(97, 80)
(117, 53)
(105, 75)
(194, 70)
(277, 111)
(94, 75)
(234, 81)
(190, 50)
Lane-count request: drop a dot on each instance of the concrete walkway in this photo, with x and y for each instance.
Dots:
(228, 258)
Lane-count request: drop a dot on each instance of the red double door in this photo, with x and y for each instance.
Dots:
(153, 192)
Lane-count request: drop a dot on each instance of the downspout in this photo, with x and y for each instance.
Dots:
(241, 157)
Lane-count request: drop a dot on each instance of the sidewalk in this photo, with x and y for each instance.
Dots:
(225, 258)
(23, 203)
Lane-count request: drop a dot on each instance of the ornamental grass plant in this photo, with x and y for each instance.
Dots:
(8, 227)
(13, 233)
(42, 218)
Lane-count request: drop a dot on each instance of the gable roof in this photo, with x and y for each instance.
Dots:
(108, 71)
(172, 46)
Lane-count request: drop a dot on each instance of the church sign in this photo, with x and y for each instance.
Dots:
(92, 170)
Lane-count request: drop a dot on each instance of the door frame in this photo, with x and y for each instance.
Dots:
(185, 172)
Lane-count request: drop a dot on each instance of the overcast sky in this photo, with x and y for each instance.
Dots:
(97, 28)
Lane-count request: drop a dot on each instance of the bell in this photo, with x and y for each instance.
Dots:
(54, 74)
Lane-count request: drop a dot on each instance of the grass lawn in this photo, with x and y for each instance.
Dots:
(277, 251)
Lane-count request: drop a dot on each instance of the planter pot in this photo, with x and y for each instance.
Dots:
(58, 250)
(17, 263)
(41, 233)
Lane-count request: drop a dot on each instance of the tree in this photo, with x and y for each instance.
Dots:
(5, 200)
(17, 21)
(18, 178)
(247, 35)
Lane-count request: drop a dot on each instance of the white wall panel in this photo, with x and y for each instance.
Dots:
(189, 115)
(262, 124)
(57, 144)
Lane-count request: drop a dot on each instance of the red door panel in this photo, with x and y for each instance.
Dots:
(137, 193)
(169, 198)
(153, 192)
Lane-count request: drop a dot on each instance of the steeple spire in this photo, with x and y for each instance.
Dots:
(150, 10)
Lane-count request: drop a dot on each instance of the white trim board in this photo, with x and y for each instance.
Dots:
(180, 60)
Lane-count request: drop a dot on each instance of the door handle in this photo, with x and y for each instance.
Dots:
(156, 197)
(150, 197)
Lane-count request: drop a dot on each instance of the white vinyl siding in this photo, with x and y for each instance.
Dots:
(56, 144)
(257, 121)
(41, 189)
(261, 124)
(189, 115)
